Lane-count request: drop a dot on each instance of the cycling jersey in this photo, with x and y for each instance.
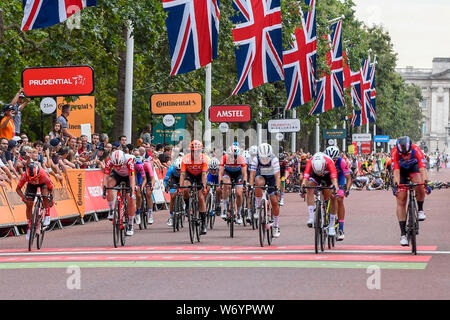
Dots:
(172, 177)
(230, 165)
(330, 169)
(127, 169)
(303, 166)
(140, 172)
(269, 169)
(342, 170)
(212, 178)
(283, 167)
(42, 180)
(414, 157)
(196, 167)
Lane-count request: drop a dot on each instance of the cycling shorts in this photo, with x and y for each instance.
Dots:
(191, 178)
(119, 179)
(173, 180)
(321, 180)
(212, 179)
(235, 177)
(406, 174)
(271, 183)
(32, 190)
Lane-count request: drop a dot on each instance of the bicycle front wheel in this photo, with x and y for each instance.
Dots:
(412, 221)
(262, 222)
(40, 236)
(116, 226)
(317, 227)
(34, 222)
(191, 222)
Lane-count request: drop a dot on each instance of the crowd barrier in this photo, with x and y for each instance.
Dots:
(79, 194)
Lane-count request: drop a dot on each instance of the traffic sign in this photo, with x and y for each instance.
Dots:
(58, 81)
(223, 127)
(230, 113)
(175, 103)
(279, 136)
(334, 133)
(284, 125)
(331, 142)
(381, 139)
(361, 137)
(48, 105)
(169, 120)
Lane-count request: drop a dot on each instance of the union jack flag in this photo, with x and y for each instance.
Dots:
(330, 88)
(257, 37)
(361, 95)
(45, 13)
(371, 110)
(193, 31)
(299, 62)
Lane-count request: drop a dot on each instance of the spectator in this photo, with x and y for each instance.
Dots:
(104, 139)
(95, 140)
(166, 157)
(123, 141)
(65, 112)
(18, 105)
(146, 134)
(47, 139)
(7, 128)
(73, 145)
(56, 131)
(39, 147)
(25, 139)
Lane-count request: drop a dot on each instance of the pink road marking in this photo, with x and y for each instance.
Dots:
(287, 257)
(221, 248)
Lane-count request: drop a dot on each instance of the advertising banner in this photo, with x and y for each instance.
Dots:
(175, 103)
(93, 192)
(361, 137)
(334, 133)
(76, 181)
(6, 216)
(230, 113)
(58, 81)
(366, 147)
(284, 125)
(82, 111)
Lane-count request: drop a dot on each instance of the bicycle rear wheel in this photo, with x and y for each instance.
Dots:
(123, 226)
(34, 222)
(208, 209)
(244, 210)
(191, 222)
(269, 220)
(262, 222)
(197, 222)
(231, 217)
(40, 236)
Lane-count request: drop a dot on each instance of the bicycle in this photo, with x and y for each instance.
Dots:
(265, 221)
(212, 206)
(37, 228)
(144, 210)
(412, 224)
(230, 206)
(321, 218)
(253, 213)
(178, 209)
(192, 212)
(120, 215)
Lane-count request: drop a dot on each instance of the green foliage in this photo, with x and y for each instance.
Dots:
(100, 40)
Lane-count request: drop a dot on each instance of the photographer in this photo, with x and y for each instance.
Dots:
(7, 128)
(18, 105)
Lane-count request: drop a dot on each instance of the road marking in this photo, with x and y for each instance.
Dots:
(217, 264)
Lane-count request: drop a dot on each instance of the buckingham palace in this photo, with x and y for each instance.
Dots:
(435, 85)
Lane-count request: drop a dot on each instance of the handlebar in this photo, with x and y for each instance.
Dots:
(320, 188)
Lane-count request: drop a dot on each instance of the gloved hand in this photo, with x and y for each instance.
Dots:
(104, 192)
(427, 187)
(347, 193)
(394, 190)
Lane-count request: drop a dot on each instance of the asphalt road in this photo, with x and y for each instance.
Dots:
(80, 262)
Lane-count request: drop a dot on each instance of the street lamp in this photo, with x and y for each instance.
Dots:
(437, 146)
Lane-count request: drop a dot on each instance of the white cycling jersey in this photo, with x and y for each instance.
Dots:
(265, 170)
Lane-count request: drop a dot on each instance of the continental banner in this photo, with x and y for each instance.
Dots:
(82, 111)
(65, 204)
(76, 179)
(6, 216)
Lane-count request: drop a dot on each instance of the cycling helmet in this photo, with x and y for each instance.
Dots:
(118, 158)
(233, 151)
(253, 150)
(236, 144)
(196, 145)
(319, 164)
(265, 153)
(33, 171)
(404, 145)
(213, 164)
(332, 152)
(177, 163)
(281, 156)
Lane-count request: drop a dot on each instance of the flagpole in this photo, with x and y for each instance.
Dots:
(207, 105)
(259, 124)
(317, 134)
(343, 140)
(294, 134)
(128, 106)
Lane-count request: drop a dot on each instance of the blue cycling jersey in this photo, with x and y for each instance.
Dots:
(171, 173)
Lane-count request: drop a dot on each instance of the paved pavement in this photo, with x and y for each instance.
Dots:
(80, 262)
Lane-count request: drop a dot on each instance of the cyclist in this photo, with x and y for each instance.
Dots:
(120, 168)
(233, 169)
(284, 173)
(141, 180)
(35, 177)
(320, 170)
(409, 164)
(301, 167)
(150, 177)
(172, 178)
(213, 177)
(345, 183)
(194, 168)
(269, 174)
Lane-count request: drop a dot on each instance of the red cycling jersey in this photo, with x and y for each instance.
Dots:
(415, 156)
(329, 170)
(127, 169)
(43, 178)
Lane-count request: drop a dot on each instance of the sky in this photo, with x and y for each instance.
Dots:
(419, 29)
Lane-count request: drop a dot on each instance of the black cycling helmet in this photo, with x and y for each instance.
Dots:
(404, 145)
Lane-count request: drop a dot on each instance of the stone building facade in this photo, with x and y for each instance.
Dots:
(435, 85)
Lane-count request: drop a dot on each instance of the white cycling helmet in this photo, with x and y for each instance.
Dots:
(213, 164)
(332, 152)
(177, 163)
(319, 163)
(118, 158)
(253, 150)
(265, 153)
